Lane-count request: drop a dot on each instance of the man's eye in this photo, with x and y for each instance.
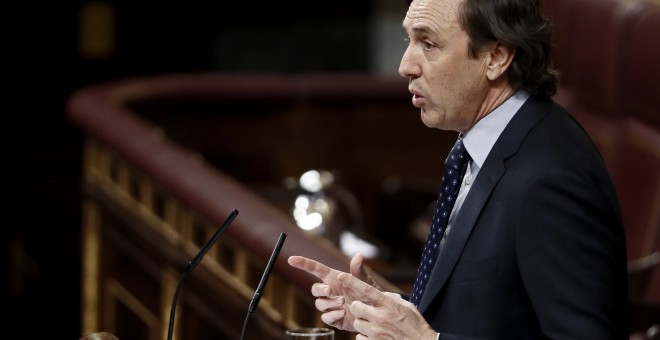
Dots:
(428, 45)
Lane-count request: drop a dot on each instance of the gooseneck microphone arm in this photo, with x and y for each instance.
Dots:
(193, 263)
(262, 283)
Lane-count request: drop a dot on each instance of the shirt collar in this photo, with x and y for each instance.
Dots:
(479, 139)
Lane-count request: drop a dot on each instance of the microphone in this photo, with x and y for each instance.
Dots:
(193, 263)
(262, 283)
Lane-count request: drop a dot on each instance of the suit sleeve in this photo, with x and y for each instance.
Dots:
(571, 250)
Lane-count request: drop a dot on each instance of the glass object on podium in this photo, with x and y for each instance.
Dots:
(310, 333)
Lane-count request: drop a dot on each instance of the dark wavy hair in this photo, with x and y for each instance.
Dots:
(518, 24)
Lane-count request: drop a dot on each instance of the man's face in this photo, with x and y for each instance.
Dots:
(447, 85)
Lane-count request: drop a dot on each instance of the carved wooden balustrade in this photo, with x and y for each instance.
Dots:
(168, 158)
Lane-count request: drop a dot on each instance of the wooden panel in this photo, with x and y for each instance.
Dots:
(157, 201)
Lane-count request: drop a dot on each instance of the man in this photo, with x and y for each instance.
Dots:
(534, 247)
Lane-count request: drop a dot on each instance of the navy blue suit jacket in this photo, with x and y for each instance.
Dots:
(537, 250)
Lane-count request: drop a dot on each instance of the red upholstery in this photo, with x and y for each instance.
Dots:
(608, 52)
(640, 71)
(560, 12)
(637, 175)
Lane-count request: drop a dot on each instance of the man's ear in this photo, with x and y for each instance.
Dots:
(500, 58)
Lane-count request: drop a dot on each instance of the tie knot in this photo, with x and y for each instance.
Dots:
(458, 156)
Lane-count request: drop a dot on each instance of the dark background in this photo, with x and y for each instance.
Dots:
(44, 64)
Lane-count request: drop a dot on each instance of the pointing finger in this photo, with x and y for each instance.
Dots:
(311, 266)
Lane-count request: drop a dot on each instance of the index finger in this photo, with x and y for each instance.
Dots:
(313, 267)
(360, 290)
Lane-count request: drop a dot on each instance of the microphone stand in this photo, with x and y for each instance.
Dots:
(262, 283)
(192, 264)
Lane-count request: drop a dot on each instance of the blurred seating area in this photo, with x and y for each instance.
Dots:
(607, 52)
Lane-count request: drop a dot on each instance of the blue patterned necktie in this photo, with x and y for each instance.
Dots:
(455, 166)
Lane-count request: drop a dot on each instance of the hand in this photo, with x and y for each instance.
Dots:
(379, 315)
(331, 300)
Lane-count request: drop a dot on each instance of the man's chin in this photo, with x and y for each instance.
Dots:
(427, 118)
(431, 120)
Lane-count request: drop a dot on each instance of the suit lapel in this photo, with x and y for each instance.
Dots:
(493, 169)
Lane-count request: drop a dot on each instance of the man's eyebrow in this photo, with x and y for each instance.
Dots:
(420, 29)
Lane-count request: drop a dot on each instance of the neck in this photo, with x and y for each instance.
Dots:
(495, 97)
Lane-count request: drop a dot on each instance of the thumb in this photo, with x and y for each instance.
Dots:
(359, 271)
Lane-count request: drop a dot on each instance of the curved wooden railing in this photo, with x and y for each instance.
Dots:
(151, 202)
